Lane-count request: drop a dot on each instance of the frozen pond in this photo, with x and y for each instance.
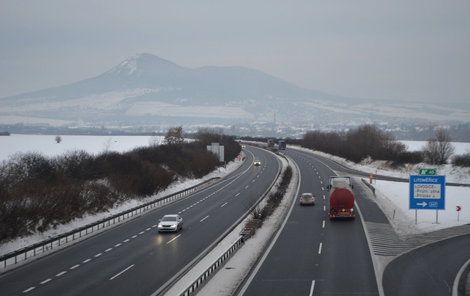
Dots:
(47, 145)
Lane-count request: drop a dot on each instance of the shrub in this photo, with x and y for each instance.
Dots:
(462, 160)
(37, 193)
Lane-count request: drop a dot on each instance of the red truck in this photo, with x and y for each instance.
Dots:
(341, 198)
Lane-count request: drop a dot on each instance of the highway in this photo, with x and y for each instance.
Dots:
(133, 259)
(313, 255)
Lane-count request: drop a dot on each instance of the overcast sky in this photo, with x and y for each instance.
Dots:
(400, 49)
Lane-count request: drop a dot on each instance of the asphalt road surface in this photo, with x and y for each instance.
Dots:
(133, 259)
(429, 270)
(313, 255)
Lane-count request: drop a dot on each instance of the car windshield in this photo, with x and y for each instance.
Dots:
(169, 218)
(306, 195)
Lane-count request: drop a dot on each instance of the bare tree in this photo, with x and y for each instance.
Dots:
(438, 149)
(174, 136)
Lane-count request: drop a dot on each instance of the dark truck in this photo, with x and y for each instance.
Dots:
(341, 198)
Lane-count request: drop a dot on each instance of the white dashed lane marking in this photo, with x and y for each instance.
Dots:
(97, 255)
(61, 273)
(75, 266)
(117, 245)
(224, 204)
(319, 248)
(108, 249)
(323, 224)
(237, 194)
(312, 288)
(29, 289)
(45, 281)
(86, 261)
(126, 240)
(204, 218)
(126, 269)
(173, 239)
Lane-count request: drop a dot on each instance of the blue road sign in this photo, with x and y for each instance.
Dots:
(427, 192)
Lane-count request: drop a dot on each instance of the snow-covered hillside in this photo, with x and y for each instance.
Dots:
(146, 89)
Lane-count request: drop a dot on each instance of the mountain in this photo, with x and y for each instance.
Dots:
(148, 90)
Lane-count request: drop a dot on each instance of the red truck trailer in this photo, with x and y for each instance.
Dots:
(341, 198)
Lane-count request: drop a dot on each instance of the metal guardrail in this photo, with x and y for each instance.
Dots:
(42, 247)
(372, 188)
(210, 271)
(200, 281)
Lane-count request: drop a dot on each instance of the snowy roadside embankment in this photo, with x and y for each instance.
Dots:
(179, 185)
(227, 280)
(393, 198)
(381, 167)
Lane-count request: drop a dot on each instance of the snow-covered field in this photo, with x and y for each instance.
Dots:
(46, 144)
(460, 147)
(394, 196)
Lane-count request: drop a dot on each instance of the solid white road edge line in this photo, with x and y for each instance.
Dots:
(266, 253)
(455, 286)
(126, 269)
(210, 247)
(174, 238)
(312, 287)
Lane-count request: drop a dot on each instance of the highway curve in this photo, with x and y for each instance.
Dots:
(133, 259)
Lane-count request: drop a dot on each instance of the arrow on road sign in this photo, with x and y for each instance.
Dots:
(423, 204)
(458, 208)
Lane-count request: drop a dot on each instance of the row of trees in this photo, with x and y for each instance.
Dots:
(37, 193)
(370, 141)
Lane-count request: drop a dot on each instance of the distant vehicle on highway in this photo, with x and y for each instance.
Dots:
(170, 223)
(281, 145)
(307, 199)
(256, 162)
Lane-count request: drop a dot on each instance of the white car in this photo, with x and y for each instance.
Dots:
(170, 223)
(256, 162)
(307, 199)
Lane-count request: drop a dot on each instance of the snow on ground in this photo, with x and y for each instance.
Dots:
(394, 197)
(46, 144)
(380, 167)
(228, 278)
(87, 219)
(460, 147)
